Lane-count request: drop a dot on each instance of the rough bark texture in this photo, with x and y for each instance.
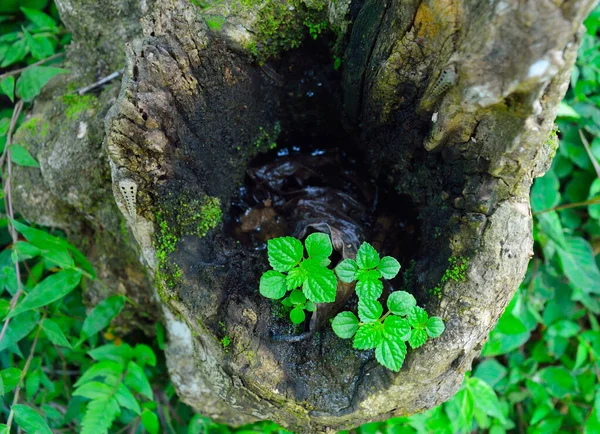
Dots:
(451, 102)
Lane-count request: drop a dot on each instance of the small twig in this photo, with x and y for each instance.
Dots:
(592, 201)
(586, 145)
(40, 62)
(23, 373)
(99, 83)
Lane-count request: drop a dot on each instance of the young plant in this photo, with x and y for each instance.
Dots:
(298, 302)
(286, 255)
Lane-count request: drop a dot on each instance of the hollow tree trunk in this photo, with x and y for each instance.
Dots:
(451, 103)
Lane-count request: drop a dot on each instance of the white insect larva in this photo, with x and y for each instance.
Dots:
(446, 79)
(129, 191)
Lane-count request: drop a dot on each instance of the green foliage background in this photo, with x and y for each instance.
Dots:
(539, 372)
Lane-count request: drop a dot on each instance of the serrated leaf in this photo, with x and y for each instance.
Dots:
(396, 328)
(369, 289)
(101, 316)
(136, 379)
(320, 285)
(391, 353)
(284, 253)
(29, 420)
(126, 399)
(369, 310)
(401, 302)
(273, 285)
(105, 368)
(50, 289)
(7, 86)
(345, 324)
(417, 317)
(21, 156)
(367, 257)
(435, 327)
(388, 267)
(318, 246)
(346, 270)
(93, 390)
(150, 422)
(297, 315)
(99, 415)
(55, 334)
(368, 336)
(417, 338)
(295, 278)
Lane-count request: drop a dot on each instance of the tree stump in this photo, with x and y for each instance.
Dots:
(446, 108)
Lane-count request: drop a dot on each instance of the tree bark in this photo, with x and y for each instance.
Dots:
(451, 102)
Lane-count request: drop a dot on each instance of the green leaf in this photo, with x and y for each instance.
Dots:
(369, 310)
(318, 246)
(144, 355)
(417, 338)
(39, 19)
(39, 50)
(321, 285)
(150, 421)
(297, 297)
(401, 302)
(118, 353)
(388, 267)
(566, 111)
(29, 420)
(310, 306)
(435, 327)
(367, 257)
(104, 368)
(101, 316)
(93, 390)
(485, 398)
(33, 79)
(460, 411)
(55, 334)
(25, 250)
(272, 285)
(297, 315)
(577, 259)
(284, 253)
(59, 257)
(136, 379)
(368, 336)
(491, 371)
(50, 289)
(295, 278)
(549, 223)
(346, 270)
(99, 415)
(369, 289)
(10, 379)
(47, 242)
(545, 192)
(396, 328)
(559, 381)
(8, 87)
(21, 156)
(417, 317)
(391, 353)
(17, 52)
(126, 399)
(19, 327)
(345, 325)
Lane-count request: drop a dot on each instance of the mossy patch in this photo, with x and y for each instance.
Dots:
(35, 127)
(76, 104)
(176, 219)
(267, 137)
(214, 22)
(456, 271)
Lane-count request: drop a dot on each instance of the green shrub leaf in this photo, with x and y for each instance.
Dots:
(29, 420)
(126, 399)
(150, 421)
(346, 270)
(391, 353)
(318, 246)
(21, 156)
(401, 302)
(396, 328)
(371, 289)
(369, 310)
(345, 325)
(295, 278)
(39, 19)
(388, 267)
(55, 334)
(272, 285)
(297, 315)
(284, 253)
(417, 317)
(101, 316)
(435, 327)
(367, 257)
(368, 336)
(417, 338)
(320, 285)
(33, 79)
(7, 86)
(136, 379)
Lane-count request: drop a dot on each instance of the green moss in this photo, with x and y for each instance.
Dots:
(214, 22)
(77, 104)
(179, 218)
(34, 127)
(282, 26)
(226, 341)
(456, 271)
(267, 138)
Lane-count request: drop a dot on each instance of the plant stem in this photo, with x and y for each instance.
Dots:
(40, 62)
